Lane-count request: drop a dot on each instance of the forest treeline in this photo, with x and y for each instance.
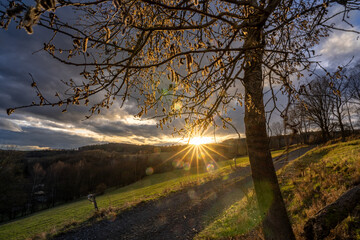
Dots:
(323, 108)
(35, 180)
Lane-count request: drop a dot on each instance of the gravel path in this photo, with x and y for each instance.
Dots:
(180, 215)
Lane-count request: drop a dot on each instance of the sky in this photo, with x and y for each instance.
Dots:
(46, 127)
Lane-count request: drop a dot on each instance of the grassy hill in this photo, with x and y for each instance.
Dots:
(308, 184)
(67, 216)
(113, 201)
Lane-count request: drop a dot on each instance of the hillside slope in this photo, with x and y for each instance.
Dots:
(308, 184)
(79, 213)
(178, 216)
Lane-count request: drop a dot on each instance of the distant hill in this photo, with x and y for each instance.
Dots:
(37, 180)
(131, 148)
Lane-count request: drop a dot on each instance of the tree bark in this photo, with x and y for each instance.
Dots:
(319, 226)
(276, 224)
(339, 117)
(349, 116)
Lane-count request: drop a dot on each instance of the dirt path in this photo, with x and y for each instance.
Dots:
(180, 215)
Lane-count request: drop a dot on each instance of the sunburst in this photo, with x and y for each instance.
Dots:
(199, 153)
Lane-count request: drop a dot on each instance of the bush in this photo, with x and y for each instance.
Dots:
(100, 189)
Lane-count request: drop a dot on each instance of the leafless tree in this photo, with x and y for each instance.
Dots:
(339, 85)
(354, 90)
(318, 102)
(277, 129)
(298, 119)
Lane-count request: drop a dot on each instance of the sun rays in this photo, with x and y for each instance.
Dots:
(200, 153)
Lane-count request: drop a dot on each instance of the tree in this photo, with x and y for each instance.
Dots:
(54, 173)
(277, 130)
(339, 85)
(354, 90)
(297, 120)
(354, 83)
(12, 183)
(318, 102)
(326, 102)
(188, 59)
(37, 175)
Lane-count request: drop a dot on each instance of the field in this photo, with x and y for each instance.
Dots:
(308, 184)
(66, 216)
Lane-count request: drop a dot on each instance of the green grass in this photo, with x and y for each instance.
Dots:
(237, 220)
(308, 184)
(318, 179)
(65, 216)
(69, 215)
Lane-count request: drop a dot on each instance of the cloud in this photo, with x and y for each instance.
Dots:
(341, 45)
(47, 126)
(9, 125)
(43, 138)
(22, 148)
(43, 127)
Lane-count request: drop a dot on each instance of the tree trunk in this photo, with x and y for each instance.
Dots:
(349, 116)
(339, 116)
(324, 133)
(342, 129)
(276, 224)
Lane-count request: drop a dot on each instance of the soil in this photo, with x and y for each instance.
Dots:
(180, 215)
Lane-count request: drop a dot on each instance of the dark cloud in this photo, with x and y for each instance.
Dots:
(42, 126)
(121, 129)
(18, 60)
(14, 76)
(43, 138)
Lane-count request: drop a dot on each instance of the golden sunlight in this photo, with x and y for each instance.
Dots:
(200, 140)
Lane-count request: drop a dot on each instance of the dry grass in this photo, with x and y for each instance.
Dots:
(318, 179)
(308, 184)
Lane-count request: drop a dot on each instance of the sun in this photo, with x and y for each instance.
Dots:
(200, 140)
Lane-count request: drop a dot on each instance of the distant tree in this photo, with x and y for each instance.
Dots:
(12, 182)
(52, 179)
(297, 118)
(318, 101)
(37, 175)
(354, 83)
(100, 189)
(339, 85)
(277, 129)
(188, 59)
(354, 89)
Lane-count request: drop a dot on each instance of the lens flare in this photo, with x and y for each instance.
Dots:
(187, 166)
(149, 171)
(210, 167)
(177, 163)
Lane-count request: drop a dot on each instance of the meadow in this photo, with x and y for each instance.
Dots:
(81, 212)
(64, 217)
(308, 184)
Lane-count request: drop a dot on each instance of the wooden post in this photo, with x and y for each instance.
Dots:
(91, 198)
